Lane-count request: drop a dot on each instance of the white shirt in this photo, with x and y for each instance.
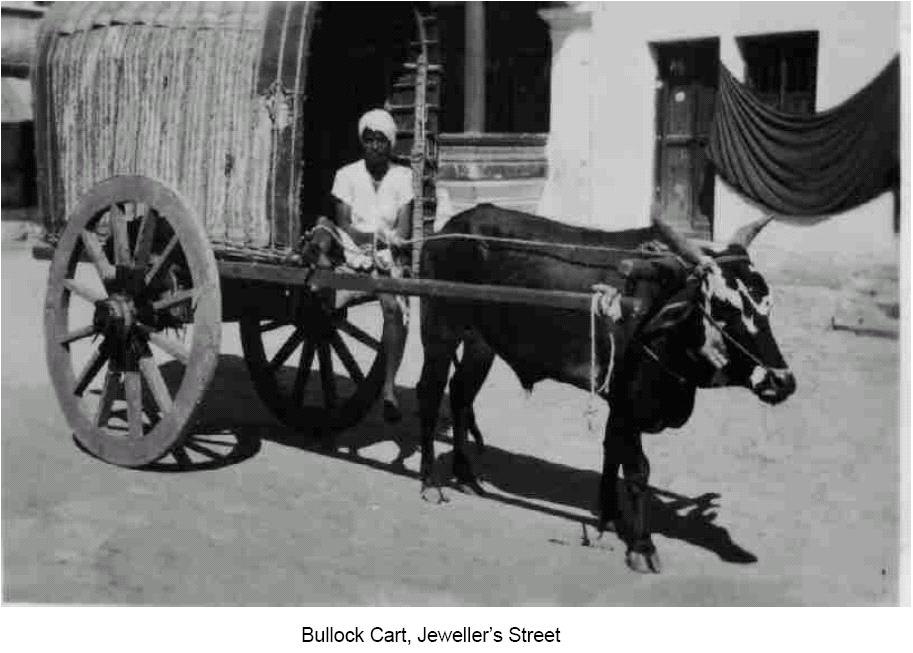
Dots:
(373, 207)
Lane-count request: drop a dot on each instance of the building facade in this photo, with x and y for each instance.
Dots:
(630, 96)
(20, 27)
(590, 113)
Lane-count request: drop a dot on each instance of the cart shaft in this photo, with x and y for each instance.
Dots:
(579, 301)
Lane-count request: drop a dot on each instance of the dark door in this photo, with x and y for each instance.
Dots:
(351, 67)
(685, 93)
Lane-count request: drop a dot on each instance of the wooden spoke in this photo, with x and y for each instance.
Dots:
(286, 350)
(221, 443)
(194, 445)
(327, 378)
(78, 334)
(133, 386)
(106, 399)
(170, 346)
(97, 254)
(344, 395)
(122, 254)
(145, 237)
(90, 370)
(304, 371)
(177, 298)
(156, 383)
(83, 291)
(348, 361)
(180, 455)
(358, 334)
(125, 208)
(160, 263)
(272, 325)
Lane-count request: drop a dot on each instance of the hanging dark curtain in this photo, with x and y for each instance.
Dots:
(809, 165)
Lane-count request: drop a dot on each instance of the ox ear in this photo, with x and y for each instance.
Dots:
(672, 314)
(660, 270)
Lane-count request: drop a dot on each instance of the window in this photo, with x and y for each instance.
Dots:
(782, 69)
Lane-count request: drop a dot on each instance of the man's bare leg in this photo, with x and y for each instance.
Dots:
(393, 340)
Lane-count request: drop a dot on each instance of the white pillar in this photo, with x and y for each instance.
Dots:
(567, 195)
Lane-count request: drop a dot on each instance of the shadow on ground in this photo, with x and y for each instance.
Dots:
(232, 423)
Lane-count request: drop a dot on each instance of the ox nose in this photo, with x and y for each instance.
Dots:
(777, 386)
(786, 382)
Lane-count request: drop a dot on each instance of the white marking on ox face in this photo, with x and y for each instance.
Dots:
(762, 307)
(750, 326)
(739, 298)
(714, 286)
(758, 374)
(714, 347)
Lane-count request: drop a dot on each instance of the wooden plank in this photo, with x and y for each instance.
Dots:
(417, 287)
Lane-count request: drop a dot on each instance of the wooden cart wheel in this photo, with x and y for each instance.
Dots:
(340, 346)
(131, 356)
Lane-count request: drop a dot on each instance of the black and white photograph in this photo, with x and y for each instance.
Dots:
(455, 304)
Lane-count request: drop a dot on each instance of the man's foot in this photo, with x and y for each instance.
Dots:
(392, 413)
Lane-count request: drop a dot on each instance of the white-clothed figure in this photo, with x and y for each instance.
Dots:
(373, 198)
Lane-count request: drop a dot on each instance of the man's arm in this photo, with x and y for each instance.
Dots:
(402, 228)
(404, 221)
(344, 222)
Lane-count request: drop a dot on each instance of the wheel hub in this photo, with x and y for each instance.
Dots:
(115, 315)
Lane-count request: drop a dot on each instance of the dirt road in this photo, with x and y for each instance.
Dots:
(796, 504)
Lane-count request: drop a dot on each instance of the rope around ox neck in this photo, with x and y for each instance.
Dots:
(609, 306)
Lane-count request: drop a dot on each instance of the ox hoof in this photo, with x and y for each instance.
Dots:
(433, 494)
(644, 563)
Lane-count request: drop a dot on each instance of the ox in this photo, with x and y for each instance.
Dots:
(703, 323)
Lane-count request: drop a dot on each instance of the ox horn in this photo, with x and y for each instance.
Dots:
(746, 234)
(678, 242)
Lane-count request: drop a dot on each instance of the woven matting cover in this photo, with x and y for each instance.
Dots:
(204, 96)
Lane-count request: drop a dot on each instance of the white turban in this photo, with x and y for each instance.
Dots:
(380, 121)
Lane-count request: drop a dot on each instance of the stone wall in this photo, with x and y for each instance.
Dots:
(504, 169)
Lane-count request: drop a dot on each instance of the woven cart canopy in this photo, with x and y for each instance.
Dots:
(206, 97)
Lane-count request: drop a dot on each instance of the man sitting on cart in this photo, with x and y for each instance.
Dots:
(373, 219)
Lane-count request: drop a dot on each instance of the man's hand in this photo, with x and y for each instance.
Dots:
(392, 238)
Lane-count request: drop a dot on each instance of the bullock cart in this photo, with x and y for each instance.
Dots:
(181, 157)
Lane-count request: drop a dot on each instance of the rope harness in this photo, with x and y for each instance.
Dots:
(606, 302)
(732, 340)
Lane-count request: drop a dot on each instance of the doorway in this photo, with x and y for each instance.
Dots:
(684, 178)
(357, 50)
